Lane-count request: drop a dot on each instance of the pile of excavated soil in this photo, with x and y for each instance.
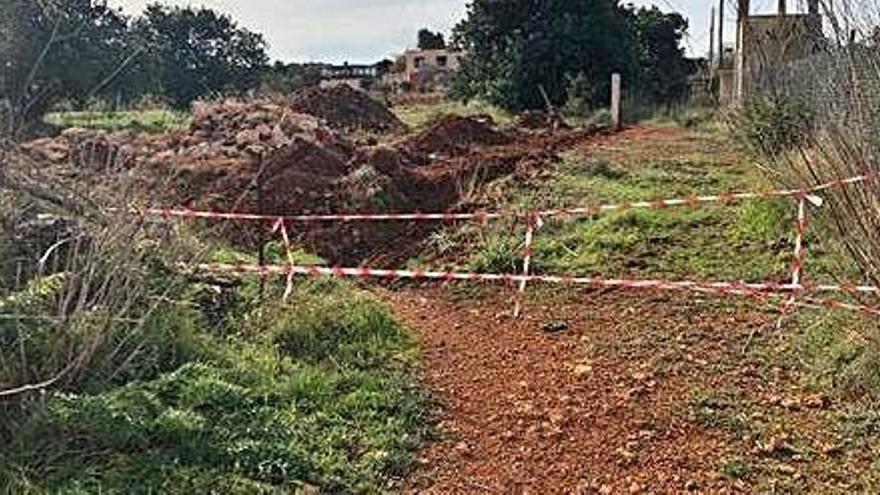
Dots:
(243, 131)
(346, 109)
(453, 136)
(233, 150)
(86, 149)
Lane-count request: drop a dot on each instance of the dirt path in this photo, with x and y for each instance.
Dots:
(600, 407)
(615, 392)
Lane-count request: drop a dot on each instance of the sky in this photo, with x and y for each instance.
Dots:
(359, 31)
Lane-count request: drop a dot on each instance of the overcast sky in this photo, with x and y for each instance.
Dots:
(360, 31)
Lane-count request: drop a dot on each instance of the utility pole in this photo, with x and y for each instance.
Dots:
(721, 32)
(782, 8)
(616, 116)
(712, 39)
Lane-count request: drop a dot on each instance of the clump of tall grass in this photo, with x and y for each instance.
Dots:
(91, 305)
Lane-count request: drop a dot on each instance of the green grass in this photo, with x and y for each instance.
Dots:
(316, 393)
(748, 241)
(418, 116)
(150, 121)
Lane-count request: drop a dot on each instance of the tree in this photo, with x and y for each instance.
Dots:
(665, 69)
(288, 78)
(384, 67)
(57, 49)
(429, 40)
(197, 52)
(517, 47)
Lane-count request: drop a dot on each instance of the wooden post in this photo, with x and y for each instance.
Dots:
(616, 121)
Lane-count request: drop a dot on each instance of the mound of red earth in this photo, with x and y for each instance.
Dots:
(245, 131)
(453, 136)
(86, 149)
(268, 157)
(346, 109)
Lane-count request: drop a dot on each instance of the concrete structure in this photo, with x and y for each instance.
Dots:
(764, 43)
(616, 118)
(422, 71)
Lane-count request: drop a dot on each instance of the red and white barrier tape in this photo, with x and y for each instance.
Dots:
(282, 227)
(532, 223)
(482, 216)
(761, 290)
(342, 218)
(734, 288)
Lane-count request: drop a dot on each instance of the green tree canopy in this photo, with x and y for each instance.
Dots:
(288, 78)
(665, 69)
(429, 40)
(198, 53)
(57, 49)
(516, 48)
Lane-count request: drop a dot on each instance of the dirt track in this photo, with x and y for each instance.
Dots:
(601, 407)
(634, 392)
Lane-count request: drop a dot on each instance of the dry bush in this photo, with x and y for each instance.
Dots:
(821, 123)
(89, 305)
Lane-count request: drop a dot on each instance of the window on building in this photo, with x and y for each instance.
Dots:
(442, 61)
(418, 61)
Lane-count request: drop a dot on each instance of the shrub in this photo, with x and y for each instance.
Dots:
(579, 96)
(771, 125)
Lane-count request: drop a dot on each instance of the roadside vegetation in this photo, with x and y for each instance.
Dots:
(272, 398)
(120, 373)
(149, 121)
(671, 242)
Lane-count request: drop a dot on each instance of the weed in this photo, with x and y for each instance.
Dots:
(351, 330)
(736, 469)
(721, 411)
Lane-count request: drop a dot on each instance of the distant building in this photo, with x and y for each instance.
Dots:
(424, 71)
(765, 45)
(360, 77)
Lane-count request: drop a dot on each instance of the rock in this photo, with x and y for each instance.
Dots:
(555, 327)
(463, 448)
(582, 370)
(247, 137)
